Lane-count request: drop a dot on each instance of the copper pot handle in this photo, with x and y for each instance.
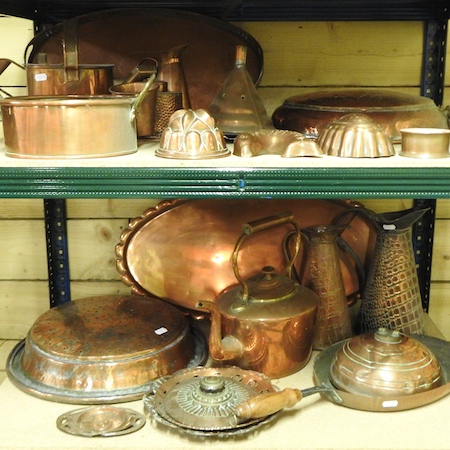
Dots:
(262, 225)
(264, 405)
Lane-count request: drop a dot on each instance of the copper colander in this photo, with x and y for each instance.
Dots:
(103, 349)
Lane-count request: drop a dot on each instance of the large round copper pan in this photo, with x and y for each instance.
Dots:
(181, 250)
(124, 37)
(103, 349)
(312, 112)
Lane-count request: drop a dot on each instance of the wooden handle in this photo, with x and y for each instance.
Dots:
(266, 404)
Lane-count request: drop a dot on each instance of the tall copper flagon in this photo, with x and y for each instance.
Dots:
(391, 297)
(322, 274)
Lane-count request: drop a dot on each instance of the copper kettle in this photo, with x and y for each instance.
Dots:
(267, 323)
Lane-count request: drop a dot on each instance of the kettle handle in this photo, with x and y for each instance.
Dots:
(262, 225)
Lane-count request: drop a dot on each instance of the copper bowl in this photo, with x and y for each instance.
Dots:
(425, 143)
(384, 364)
(310, 113)
(103, 349)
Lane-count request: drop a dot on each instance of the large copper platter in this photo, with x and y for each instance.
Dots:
(124, 37)
(180, 250)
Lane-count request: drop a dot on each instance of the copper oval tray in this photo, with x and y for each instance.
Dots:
(124, 37)
(180, 250)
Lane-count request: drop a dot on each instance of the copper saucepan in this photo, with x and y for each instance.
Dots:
(69, 126)
(376, 393)
(69, 78)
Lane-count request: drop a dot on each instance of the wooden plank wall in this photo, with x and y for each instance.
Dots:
(299, 57)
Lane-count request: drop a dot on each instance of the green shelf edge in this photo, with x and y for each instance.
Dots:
(101, 182)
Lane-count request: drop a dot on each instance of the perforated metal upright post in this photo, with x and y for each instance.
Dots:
(432, 86)
(57, 251)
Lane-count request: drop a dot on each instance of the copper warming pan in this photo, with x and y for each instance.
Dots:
(180, 250)
(421, 378)
(104, 349)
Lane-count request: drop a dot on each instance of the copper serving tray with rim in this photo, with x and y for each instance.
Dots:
(124, 37)
(181, 250)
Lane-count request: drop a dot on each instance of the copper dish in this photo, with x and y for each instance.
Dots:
(310, 113)
(287, 144)
(124, 37)
(103, 349)
(189, 262)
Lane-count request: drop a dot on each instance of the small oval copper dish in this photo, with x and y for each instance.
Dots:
(426, 143)
(192, 135)
(104, 421)
(287, 144)
(355, 136)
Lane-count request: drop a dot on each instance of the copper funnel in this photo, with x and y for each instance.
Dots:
(237, 107)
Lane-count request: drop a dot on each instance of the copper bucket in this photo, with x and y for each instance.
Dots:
(145, 114)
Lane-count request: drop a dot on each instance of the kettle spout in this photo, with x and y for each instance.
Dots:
(220, 349)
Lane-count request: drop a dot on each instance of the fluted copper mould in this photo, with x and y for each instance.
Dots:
(237, 107)
(391, 297)
(322, 274)
(192, 135)
(266, 323)
(355, 136)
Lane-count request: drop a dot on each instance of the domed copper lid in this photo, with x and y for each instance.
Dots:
(385, 363)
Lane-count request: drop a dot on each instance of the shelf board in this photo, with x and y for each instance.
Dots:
(142, 174)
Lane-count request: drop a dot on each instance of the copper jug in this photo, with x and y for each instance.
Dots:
(265, 324)
(323, 275)
(391, 297)
(170, 70)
